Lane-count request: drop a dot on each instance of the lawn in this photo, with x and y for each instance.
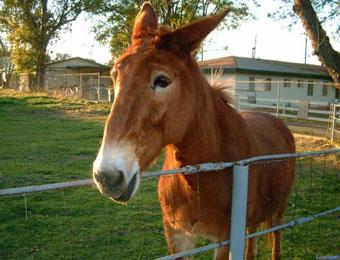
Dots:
(46, 140)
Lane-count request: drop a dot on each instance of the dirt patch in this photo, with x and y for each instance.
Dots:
(305, 143)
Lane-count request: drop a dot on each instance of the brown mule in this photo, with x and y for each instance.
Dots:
(163, 100)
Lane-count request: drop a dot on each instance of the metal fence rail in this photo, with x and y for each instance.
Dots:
(189, 169)
(292, 223)
(239, 198)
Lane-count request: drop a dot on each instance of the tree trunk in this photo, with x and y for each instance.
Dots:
(38, 83)
(42, 49)
(41, 79)
(40, 65)
(329, 57)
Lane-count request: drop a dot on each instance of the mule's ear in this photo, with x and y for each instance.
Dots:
(188, 38)
(145, 27)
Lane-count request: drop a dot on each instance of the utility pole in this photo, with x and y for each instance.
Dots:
(306, 50)
(253, 50)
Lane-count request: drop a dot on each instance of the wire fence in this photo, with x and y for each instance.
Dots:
(91, 86)
(306, 105)
(334, 125)
(79, 223)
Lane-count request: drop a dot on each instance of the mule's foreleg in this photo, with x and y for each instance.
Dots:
(276, 236)
(177, 239)
(276, 249)
(251, 250)
(221, 253)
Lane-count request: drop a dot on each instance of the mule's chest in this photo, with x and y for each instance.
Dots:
(193, 211)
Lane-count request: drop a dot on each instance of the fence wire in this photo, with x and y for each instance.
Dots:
(91, 86)
(74, 223)
(305, 104)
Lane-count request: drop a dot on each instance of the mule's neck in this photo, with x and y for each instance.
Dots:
(211, 129)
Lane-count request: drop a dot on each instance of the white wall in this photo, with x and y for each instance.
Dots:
(293, 92)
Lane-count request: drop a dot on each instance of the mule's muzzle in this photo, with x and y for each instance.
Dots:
(115, 184)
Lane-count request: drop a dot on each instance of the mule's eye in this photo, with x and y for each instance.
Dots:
(160, 81)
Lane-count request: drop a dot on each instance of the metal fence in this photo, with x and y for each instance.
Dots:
(288, 99)
(91, 86)
(238, 235)
(333, 130)
(305, 105)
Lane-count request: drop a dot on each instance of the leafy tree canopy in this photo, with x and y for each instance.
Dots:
(118, 16)
(315, 16)
(61, 56)
(328, 14)
(31, 25)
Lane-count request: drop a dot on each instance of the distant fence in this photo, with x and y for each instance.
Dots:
(303, 103)
(334, 125)
(286, 98)
(299, 109)
(91, 86)
(238, 235)
(305, 100)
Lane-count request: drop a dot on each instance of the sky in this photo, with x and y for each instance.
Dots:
(274, 40)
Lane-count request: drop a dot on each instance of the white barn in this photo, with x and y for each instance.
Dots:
(252, 78)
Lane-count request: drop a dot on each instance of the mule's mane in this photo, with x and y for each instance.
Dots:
(222, 92)
(218, 88)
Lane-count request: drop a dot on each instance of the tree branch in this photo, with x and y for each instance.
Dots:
(329, 57)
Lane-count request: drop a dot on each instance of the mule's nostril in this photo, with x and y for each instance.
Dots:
(96, 177)
(110, 179)
(120, 179)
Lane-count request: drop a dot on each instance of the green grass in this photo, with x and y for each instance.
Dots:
(47, 140)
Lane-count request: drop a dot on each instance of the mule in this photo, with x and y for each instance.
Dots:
(163, 100)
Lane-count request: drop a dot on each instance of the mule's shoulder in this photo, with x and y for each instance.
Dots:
(268, 128)
(254, 117)
(256, 114)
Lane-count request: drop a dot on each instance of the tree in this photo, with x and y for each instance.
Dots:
(119, 17)
(329, 57)
(328, 11)
(32, 25)
(61, 56)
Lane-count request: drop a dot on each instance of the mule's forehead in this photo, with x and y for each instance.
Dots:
(149, 59)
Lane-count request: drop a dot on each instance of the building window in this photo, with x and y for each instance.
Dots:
(268, 85)
(251, 84)
(324, 90)
(286, 83)
(300, 83)
(310, 88)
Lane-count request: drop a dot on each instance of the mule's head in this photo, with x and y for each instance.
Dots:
(155, 97)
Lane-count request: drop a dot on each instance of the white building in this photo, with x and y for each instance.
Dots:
(256, 79)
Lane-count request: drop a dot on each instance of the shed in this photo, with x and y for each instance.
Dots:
(78, 76)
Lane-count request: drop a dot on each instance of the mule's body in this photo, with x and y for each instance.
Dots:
(200, 204)
(163, 100)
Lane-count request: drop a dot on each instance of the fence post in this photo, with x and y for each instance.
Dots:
(278, 99)
(80, 87)
(284, 109)
(333, 116)
(98, 87)
(238, 212)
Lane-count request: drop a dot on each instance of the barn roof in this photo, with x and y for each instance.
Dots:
(265, 67)
(76, 63)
